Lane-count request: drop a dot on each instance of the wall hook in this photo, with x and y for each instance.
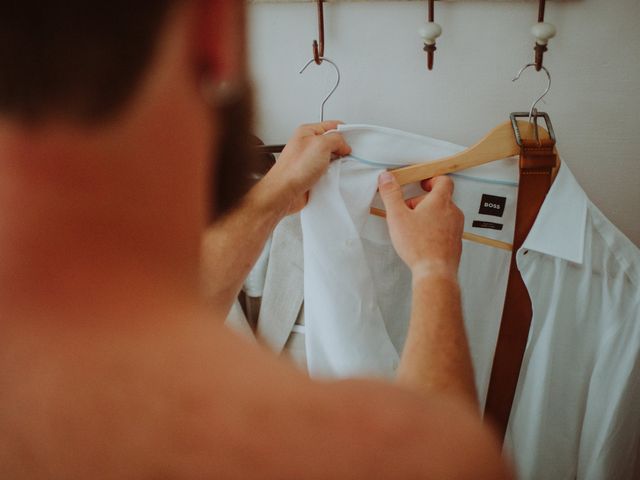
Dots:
(429, 33)
(318, 46)
(543, 32)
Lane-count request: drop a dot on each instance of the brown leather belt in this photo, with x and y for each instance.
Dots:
(538, 159)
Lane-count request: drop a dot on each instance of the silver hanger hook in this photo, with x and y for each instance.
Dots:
(532, 111)
(325, 59)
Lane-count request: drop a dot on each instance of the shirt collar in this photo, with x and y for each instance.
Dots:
(559, 229)
(388, 148)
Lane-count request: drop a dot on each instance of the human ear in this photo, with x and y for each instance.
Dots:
(221, 39)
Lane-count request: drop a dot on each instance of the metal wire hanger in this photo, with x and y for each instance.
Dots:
(335, 87)
(318, 59)
(533, 111)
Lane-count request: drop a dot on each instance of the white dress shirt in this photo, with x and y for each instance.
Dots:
(576, 410)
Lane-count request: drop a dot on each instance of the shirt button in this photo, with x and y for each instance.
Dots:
(349, 243)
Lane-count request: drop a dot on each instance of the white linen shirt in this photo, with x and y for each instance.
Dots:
(576, 411)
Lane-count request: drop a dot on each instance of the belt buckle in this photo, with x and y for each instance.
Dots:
(516, 130)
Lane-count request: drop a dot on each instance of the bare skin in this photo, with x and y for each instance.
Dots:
(110, 365)
(427, 233)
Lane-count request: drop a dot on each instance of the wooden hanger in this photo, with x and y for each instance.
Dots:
(499, 144)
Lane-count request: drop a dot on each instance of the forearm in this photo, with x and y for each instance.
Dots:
(232, 245)
(436, 356)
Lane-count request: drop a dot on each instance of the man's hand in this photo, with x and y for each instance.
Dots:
(304, 160)
(427, 234)
(232, 246)
(426, 231)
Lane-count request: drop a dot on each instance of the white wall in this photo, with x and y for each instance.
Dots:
(595, 63)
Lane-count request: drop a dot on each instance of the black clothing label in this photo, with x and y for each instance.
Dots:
(491, 225)
(492, 205)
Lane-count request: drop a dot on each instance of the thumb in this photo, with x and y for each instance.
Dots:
(391, 193)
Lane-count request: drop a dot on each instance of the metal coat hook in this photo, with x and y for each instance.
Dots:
(323, 59)
(318, 47)
(533, 112)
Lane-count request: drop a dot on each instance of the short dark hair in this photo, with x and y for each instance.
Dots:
(77, 59)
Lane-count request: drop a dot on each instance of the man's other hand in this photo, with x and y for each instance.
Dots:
(304, 160)
(426, 231)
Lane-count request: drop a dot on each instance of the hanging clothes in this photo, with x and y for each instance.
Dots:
(281, 319)
(574, 412)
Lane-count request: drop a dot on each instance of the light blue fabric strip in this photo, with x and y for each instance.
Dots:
(374, 164)
(458, 175)
(485, 180)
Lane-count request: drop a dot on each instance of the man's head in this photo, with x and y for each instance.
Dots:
(76, 59)
(91, 64)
